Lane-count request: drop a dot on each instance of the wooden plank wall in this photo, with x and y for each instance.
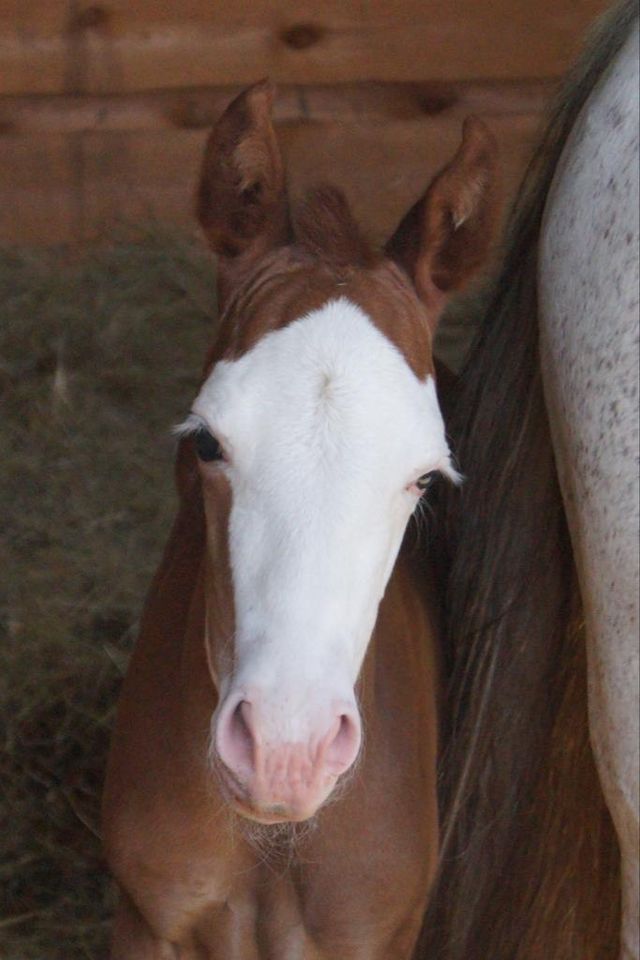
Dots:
(104, 107)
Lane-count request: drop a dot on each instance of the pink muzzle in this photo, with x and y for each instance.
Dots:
(274, 778)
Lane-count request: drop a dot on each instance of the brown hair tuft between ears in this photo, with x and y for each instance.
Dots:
(325, 227)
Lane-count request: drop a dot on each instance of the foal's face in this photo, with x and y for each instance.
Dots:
(317, 429)
(326, 439)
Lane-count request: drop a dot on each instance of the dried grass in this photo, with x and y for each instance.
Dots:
(97, 360)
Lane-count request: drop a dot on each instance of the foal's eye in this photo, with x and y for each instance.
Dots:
(207, 446)
(426, 480)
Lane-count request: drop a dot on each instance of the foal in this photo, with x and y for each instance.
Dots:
(285, 618)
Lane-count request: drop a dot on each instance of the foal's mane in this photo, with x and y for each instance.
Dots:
(530, 866)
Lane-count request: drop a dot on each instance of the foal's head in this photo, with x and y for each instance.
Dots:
(317, 429)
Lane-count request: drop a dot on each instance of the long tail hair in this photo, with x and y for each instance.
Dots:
(530, 864)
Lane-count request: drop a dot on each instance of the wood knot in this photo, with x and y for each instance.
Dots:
(437, 100)
(193, 114)
(301, 36)
(94, 17)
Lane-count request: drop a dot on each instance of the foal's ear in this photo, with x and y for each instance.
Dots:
(446, 237)
(241, 200)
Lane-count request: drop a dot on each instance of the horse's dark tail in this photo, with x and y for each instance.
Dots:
(530, 865)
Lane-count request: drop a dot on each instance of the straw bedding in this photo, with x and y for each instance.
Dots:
(97, 360)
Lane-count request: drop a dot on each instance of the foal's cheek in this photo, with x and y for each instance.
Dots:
(218, 578)
(218, 498)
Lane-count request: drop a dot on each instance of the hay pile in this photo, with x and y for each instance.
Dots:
(97, 360)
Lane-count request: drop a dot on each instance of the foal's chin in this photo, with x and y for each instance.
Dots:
(242, 802)
(270, 816)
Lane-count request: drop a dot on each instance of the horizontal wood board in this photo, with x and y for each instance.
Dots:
(67, 46)
(193, 108)
(103, 106)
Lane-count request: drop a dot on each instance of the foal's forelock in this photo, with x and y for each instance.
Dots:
(325, 228)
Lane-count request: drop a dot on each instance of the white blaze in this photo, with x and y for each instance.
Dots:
(326, 427)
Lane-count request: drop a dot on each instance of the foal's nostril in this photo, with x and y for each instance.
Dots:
(342, 748)
(236, 742)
